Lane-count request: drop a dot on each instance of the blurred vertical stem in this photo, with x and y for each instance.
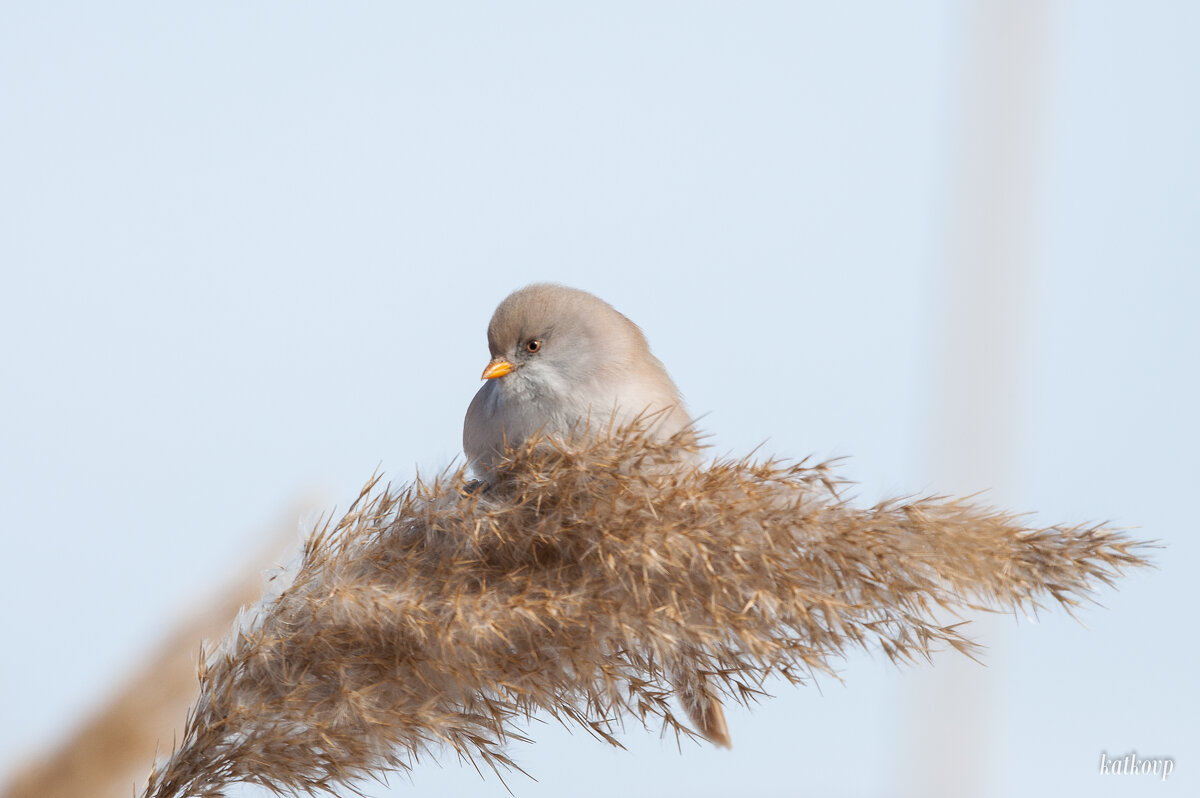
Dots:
(993, 190)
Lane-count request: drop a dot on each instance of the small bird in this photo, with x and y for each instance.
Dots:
(563, 363)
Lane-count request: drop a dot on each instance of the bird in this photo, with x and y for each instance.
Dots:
(564, 363)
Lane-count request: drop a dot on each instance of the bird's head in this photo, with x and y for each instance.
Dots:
(558, 338)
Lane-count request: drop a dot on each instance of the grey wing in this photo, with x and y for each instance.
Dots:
(481, 428)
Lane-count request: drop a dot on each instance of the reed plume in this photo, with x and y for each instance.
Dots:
(577, 584)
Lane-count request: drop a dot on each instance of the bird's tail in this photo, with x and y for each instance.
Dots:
(702, 707)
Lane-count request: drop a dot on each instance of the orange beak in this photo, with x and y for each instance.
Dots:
(497, 368)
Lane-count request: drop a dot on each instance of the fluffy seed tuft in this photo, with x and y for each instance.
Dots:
(438, 616)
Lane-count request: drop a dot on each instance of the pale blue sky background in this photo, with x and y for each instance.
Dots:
(249, 250)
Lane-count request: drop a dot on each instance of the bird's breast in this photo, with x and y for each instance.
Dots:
(509, 410)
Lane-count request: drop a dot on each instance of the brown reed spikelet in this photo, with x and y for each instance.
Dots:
(577, 584)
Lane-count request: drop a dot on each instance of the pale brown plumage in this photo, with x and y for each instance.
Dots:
(591, 366)
(565, 363)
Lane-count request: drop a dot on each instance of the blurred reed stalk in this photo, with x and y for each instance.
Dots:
(1003, 53)
(108, 753)
(437, 617)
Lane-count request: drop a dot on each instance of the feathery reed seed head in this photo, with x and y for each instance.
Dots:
(577, 584)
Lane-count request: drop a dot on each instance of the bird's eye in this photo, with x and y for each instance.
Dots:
(533, 345)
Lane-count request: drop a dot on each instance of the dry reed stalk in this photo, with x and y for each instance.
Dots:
(106, 755)
(575, 586)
